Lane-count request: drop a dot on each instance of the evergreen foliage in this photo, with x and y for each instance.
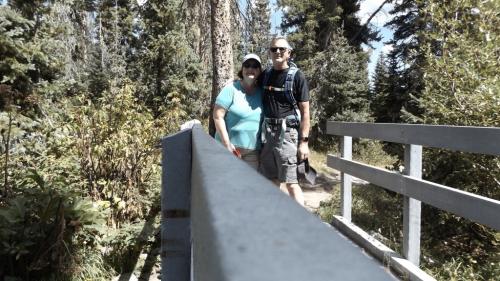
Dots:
(341, 87)
(170, 71)
(380, 88)
(406, 62)
(84, 102)
(259, 29)
(388, 91)
(21, 61)
(462, 88)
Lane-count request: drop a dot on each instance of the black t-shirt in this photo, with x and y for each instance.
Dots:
(276, 104)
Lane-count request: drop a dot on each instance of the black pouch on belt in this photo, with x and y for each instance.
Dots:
(292, 123)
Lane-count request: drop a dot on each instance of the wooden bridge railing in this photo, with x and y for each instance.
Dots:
(415, 190)
(221, 220)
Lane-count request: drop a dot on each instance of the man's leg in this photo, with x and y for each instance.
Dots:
(295, 192)
(287, 156)
(283, 187)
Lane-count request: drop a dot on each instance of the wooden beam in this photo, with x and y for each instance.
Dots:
(244, 228)
(390, 258)
(484, 140)
(346, 180)
(175, 206)
(411, 206)
(465, 204)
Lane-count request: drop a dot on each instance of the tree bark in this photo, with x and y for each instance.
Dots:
(222, 55)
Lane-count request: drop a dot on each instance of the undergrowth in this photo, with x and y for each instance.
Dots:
(452, 248)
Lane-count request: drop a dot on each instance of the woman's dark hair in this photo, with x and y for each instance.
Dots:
(240, 72)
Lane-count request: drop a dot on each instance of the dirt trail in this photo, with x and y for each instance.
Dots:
(321, 191)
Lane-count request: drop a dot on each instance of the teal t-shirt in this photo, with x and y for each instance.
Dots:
(243, 115)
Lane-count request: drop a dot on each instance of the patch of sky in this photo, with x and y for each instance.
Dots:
(276, 16)
(367, 8)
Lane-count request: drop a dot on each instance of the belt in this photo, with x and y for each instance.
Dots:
(283, 125)
(291, 121)
(273, 121)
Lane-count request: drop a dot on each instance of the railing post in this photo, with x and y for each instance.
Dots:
(346, 181)
(412, 207)
(175, 206)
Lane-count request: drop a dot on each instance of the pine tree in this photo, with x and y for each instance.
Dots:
(381, 89)
(407, 60)
(340, 90)
(462, 88)
(170, 71)
(389, 99)
(260, 28)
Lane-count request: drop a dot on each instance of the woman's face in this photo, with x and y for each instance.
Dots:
(250, 70)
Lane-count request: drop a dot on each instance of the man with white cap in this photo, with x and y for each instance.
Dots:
(285, 129)
(238, 110)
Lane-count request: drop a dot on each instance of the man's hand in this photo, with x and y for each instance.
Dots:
(303, 151)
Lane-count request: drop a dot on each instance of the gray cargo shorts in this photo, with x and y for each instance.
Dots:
(278, 157)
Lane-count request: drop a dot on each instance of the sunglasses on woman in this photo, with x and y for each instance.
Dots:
(251, 65)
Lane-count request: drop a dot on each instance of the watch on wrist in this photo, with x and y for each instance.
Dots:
(304, 139)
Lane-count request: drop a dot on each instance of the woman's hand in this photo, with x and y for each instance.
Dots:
(230, 147)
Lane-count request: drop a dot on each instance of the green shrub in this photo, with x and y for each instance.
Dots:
(118, 149)
(39, 228)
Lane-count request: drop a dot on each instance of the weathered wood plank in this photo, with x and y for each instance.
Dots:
(484, 140)
(411, 206)
(244, 228)
(175, 205)
(386, 255)
(346, 180)
(465, 204)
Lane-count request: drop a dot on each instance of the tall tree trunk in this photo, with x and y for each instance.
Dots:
(222, 55)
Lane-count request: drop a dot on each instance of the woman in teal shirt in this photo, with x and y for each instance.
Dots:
(237, 112)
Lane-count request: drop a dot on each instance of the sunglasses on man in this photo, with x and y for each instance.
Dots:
(275, 49)
(253, 65)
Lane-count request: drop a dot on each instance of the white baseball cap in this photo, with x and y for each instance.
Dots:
(251, 57)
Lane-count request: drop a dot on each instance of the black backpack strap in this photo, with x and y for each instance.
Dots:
(289, 83)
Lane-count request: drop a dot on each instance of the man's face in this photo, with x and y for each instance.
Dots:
(279, 51)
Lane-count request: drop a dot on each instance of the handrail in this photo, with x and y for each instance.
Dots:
(240, 226)
(483, 140)
(415, 190)
(477, 208)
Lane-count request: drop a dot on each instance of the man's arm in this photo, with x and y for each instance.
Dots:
(305, 123)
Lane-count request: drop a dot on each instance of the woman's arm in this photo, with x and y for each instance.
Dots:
(220, 126)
